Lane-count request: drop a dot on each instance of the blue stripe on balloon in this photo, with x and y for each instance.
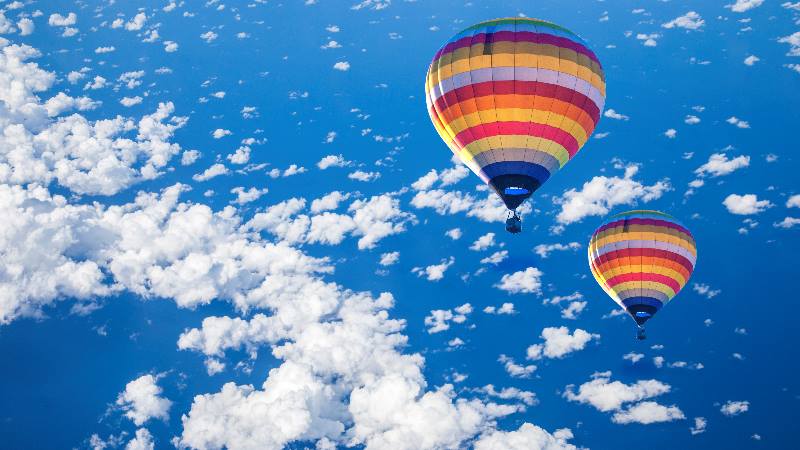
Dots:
(533, 170)
(632, 301)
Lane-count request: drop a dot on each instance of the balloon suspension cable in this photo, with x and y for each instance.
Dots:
(640, 334)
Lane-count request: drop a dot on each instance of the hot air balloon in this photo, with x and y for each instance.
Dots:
(515, 99)
(642, 259)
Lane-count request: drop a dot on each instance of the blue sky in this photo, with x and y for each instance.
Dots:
(222, 229)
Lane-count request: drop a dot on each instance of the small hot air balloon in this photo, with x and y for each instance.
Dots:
(515, 99)
(642, 259)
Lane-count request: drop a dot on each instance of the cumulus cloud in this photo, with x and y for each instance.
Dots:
(212, 172)
(544, 250)
(737, 122)
(434, 272)
(57, 20)
(611, 114)
(141, 400)
(747, 204)
(439, 319)
(99, 157)
(689, 21)
(744, 5)
(332, 161)
(601, 193)
(527, 437)
(373, 220)
(699, 427)
(607, 396)
(647, 413)
(142, 440)
(718, 165)
(558, 342)
(483, 242)
(342, 66)
(528, 281)
(489, 209)
(516, 370)
(734, 408)
(793, 40)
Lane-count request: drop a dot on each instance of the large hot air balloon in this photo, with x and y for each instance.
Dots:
(642, 259)
(515, 99)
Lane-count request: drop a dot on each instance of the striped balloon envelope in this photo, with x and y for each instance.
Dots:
(642, 259)
(515, 99)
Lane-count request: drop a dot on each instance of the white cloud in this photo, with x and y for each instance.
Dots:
(247, 195)
(343, 66)
(647, 413)
(793, 201)
(101, 50)
(439, 319)
(787, 223)
(137, 22)
(209, 36)
(737, 122)
(734, 408)
(97, 82)
(599, 195)
(688, 21)
(213, 171)
(142, 440)
(794, 43)
(189, 157)
(426, 181)
(389, 259)
(130, 101)
(558, 342)
(648, 40)
(372, 219)
(718, 165)
(751, 60)
(332, 161)
(454, 234)
(573, 310)
(141, 400)
(633, 357)
(671, 133)
(699, 427)
(606, 396)
(495, 258)
(489, 209)
(483, 242)
(516, 370)
(544, 250)
(26, 26)
(328, 202)
(611, 114)
(705, 290)
(505, 308)
(221, 133)
(747, 204)
(241, 155)
(526, 281)
(57, 20)
(691, 119)
(360, 175)
(434, 272)
(170, 46)
(527, 437)
(744, 5)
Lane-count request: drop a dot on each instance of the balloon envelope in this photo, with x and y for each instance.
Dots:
(642, 259)
(515, 99)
